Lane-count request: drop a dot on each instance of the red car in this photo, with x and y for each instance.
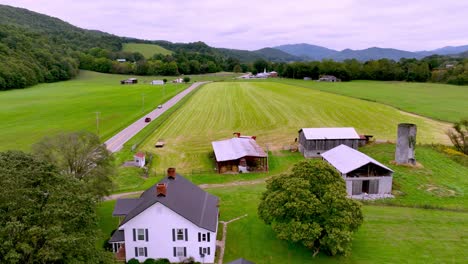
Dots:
(148, 119)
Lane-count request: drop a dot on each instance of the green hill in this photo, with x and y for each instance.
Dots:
(148, 50)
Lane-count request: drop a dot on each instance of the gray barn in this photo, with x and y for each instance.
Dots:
(314, 141)
(362, 174)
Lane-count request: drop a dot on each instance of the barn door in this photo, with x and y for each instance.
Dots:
(357, 187)
(374, 187)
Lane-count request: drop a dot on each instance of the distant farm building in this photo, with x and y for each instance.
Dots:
(140, 159)
(315, 141)
(363, 175)
(328, 78)
(178, 80)
(265, 74)
(273, 74)
(307, 79)
(121, 60)
(157, 82)
(129, 81)
(239, 154)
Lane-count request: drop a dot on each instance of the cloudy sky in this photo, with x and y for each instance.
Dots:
(338, 24)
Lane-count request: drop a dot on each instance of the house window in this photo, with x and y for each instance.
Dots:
(141, 234)
(141, 252)
(204, 237)
(180, 234)
(180, 251)
(204, 251)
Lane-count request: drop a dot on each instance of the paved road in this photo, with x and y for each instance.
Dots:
(115, 143)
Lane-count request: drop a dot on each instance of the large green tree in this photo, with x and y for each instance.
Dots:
(45, 217)
(310, 206)
(80, 155)
(459, 135)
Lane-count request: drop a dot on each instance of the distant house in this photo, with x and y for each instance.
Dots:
(178, 80)
(129, 81)
(173, 219)
(139, 159)
(157, 82)
(121, 60)
(240, 261)
(307, 79)
(273, 74)
(362, 174)
(315, 141)
(239, 154)
(328, 78)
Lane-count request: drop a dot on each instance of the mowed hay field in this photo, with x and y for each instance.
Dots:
(27, 115)
(438, 101)
(148, 50)
(273, 112)
(388, 234)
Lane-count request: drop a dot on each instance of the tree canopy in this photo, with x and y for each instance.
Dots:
(459, 135)
(80, 155)
(309, 206)
(46, 217)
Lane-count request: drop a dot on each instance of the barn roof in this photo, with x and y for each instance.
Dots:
(236, 148)
(182, 197)
(346, 159)
(330, 133)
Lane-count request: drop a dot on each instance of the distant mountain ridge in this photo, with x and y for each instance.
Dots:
(314, 52)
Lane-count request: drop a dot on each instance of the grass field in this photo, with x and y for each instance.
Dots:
(438, 101)
(46, 109)
(148, 50)
(388, 235)
(273, 112)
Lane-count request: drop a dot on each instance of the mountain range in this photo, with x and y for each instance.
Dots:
(314, 52)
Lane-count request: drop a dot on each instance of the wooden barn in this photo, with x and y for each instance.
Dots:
(362, 174)
(240, 154)
(315, 141)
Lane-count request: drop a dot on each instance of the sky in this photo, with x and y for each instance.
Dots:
(412, 25)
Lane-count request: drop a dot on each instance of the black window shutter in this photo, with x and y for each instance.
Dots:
(208, 236)
(136, 252)
(146, 234)
(146, 252)
(200, 249)
(186, 235)
(185, 251)
(199, 236)
(208, 251)
(175, 252)
(134, 234)
(173, 235)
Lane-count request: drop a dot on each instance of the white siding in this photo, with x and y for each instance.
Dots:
(160, 220)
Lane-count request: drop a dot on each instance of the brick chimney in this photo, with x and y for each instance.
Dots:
(171, 173)
(161, 189)
(254, 137)
(237, 134)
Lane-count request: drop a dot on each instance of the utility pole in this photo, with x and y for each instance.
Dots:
(97, 123)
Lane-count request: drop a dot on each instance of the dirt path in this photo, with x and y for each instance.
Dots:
(222, 243)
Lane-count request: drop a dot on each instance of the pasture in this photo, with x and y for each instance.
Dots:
(29, 114)
(438, 101)
(273, 112)
(147, 50)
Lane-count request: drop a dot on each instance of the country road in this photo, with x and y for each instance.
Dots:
(116, 142)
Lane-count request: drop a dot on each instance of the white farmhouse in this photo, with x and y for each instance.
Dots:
(174, 219)
(364, 176)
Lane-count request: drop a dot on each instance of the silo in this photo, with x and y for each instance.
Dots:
(406, 143)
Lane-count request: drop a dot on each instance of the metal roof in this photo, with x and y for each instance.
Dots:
(236, 148)
(182, 197)
(240, 261)
(346, 159)
(330, 133)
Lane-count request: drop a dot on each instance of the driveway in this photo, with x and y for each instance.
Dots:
(115, 143)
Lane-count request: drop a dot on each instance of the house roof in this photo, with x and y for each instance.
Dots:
(346, 159)
(118, 236)
(182, 197)
(241, 261)
(330, 133)
(140, 155)
(124, 206)
(236, 148)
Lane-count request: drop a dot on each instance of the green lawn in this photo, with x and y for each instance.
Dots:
(148, 50)
(29, 114)
(106, 223)
(388, 235)
(438, 101)
(273, 112)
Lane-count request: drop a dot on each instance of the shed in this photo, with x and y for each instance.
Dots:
(328, 78)
(157, 82)
(314, 141)
(140, 159)
(239, 154)
(362, 174)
